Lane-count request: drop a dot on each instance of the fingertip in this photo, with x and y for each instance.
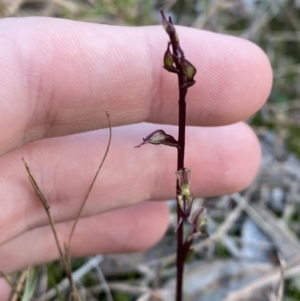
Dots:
(72, 70)
(245, 161)
(261, 73)
(5, 290)
(234, 78)
(228, 158)
(155, 223)
(249, 148)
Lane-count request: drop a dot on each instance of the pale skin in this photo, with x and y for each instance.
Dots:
(59, 77)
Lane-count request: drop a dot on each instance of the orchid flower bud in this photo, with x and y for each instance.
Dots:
(199, 221)
(167, 24)
(188, 69)
(169, 28)
(189, 72)
(159, 137)
(169, 61)
(183, 176)
(185, 204)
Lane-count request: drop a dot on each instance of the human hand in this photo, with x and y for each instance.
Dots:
(59, 77)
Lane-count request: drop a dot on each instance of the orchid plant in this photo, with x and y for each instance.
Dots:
(174, 61)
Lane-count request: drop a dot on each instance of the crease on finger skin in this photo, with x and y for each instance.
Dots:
(130, 229)
(64, 168)
(76, 70)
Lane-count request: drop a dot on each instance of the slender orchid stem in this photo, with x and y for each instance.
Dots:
(177, 56)
(180, 165)
(175, 62)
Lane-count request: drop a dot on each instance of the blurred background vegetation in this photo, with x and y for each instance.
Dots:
(272, 24)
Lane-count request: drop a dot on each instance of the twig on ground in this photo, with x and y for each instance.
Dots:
(104, 283)
(290, 269)
(20, 286)
(281, 281)
(76, 276)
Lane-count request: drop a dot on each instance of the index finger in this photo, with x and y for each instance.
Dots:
(58, 77)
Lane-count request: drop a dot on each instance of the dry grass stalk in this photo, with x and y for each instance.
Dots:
(65, 254)
(281, 281)
(93, 182)
(19, 287)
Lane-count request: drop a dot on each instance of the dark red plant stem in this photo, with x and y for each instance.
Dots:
(180, 164)
(178, 57)
(179, 261)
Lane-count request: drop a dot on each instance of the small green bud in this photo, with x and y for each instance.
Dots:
(168, 58)
(167, 24)
(184, 198)
(189, 72)
(183, 176)
(185, 204)
(185, 190)
(169, 61)
(188, 69)
(199, 221)
(169, 28)
(202, 228)
(189, 254)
